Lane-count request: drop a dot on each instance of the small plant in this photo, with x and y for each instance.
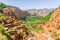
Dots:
(39, 29)
(34, 25)
(1, 28)
(55, 34)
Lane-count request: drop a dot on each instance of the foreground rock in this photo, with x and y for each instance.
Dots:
(13, 27)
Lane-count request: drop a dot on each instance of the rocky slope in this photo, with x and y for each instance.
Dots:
(11, 26)
(52, 27)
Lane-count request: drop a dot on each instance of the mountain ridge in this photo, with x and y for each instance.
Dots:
(41, 12)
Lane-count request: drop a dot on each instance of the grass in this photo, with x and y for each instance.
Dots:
(31, 22)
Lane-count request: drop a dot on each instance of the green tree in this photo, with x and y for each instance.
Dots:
(2, 5)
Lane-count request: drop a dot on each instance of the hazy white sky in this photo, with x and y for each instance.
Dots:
(30, 4)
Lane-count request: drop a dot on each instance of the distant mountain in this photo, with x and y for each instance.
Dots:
(41, 12)
(33, 12)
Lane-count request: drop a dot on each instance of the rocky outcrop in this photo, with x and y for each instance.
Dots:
(9, 12)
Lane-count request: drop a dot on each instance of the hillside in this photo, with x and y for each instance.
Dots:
(52, 27)
(49, 30)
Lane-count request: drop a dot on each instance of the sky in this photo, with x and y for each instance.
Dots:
(32, 4)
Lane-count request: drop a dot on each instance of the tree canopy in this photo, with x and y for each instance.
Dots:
(2, 5)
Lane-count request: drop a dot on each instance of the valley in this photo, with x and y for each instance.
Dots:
(17, 24)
